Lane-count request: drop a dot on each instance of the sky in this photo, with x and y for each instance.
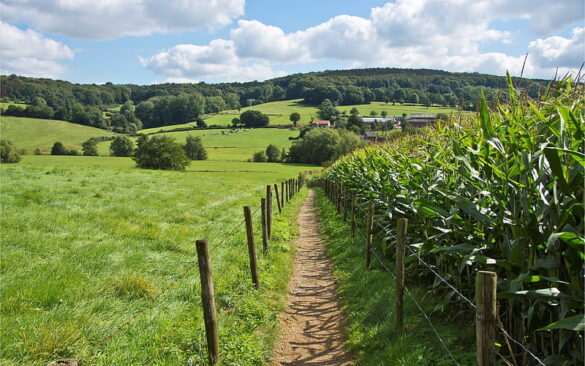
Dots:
(155, 41)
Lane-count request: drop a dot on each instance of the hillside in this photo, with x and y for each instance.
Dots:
(32, 133)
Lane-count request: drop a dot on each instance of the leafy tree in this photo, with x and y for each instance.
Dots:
(373, 113)
(160, 152)
(121, 146)
(294, 118)
(358, 122)
(214, 104)
(37, 151)
(322, 145)
(8, 153)
(89, 147)
(194, 148)
(252, 118)
(327, 111)
(273, 154)
(236, 122)
(59, 149)
(260, 157)
(232, 101)
(354, 112)
(200, 122)
(384, 114)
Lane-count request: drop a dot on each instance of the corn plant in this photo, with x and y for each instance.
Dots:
(501, 192)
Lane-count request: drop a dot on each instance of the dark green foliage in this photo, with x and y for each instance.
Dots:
(89, 148)
(273, 154)
(194, 148)
(260, 157)
(37, 151)
(160, 152)
(235, 121)
(8, 153)
(294, 118)
(328, 112)
(356, 123)
(59, 149)
(320, 145)
(253, 118)
(121, 146)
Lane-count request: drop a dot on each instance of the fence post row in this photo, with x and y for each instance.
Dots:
(251, 246)
(485, 317)
(264, 225)
(208, 300)
(399, 273)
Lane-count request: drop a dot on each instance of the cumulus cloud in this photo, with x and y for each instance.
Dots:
(216, 61)
(439, 34)
(101, 20)
(29, 53)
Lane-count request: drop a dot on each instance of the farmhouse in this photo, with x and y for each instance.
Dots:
(323, 123)
(371, 136)
(422, 119)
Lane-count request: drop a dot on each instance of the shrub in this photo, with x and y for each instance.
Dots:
(160, 152)
(260, 157)
(273, 154)
(194, 148)
(8, 153)
(59, 149)
(37, 151)
(121, 146)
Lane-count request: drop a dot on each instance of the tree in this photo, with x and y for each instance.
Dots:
(357, 121)
(253, 118)
(160, 152)
(294, 118)
(384, 114)
(8, 153)
(354, 112)
(373, 113)
(89, 147)
(259, 157)
(327, 111)
(59, 149)
(121, 146)
(236, 121)
(322, 145)
(273, 154)
(194, 148)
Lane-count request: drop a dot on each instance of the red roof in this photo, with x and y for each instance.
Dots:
(324, 122)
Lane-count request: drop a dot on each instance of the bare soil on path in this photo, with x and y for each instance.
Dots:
(312, 326)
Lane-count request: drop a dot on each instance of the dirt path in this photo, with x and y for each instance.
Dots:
(312, 326)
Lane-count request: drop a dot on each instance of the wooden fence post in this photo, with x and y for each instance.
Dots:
(251, 246)
(353, 203)
(264, 225)
(282, 194)
(338, 201)
(485, 317)
(399, 272)
(369, 234)
(277, 198)
(345, 203)
(269, 210)
(208, 300)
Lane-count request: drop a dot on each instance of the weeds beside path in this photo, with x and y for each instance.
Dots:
(313, 325)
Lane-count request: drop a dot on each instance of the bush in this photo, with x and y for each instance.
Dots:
(160, 152)
(89, 148)
(273, 154)
(194, 148)
(37, 151)
(8, 153)
(121, 146)
(260, 157)
(254, 119)
(59, 149)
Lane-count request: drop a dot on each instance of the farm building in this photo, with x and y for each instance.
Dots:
(371, 136)
(422, 119)
(323, 123)
(379, 119)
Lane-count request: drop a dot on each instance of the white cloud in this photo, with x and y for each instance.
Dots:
(438, 34)
(101, 20)
(29, 53)
(216, 61)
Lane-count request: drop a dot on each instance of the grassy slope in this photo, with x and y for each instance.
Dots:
(367, 299)
(31, 133)
(90, 241)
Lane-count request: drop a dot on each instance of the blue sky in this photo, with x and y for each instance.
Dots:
(153, 41)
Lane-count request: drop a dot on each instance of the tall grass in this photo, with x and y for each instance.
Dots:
(502, 192)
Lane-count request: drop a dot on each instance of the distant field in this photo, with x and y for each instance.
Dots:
(4, 105)
(90, 242)
(31, 133)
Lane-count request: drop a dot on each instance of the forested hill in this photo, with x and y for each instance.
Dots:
(177, 103)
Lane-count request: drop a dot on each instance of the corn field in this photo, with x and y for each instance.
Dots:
(501, 192)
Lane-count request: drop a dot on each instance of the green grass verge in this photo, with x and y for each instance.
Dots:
(89, 242)
(31, 133)
(367, 300)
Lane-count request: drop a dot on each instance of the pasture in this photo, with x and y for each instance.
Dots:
(90, 242)
(31, 133)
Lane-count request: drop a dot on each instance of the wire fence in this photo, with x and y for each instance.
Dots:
(386, 230)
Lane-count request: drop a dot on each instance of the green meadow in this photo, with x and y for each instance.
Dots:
(31, 133)
(92, 242)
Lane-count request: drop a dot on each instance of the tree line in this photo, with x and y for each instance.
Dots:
(165, 104)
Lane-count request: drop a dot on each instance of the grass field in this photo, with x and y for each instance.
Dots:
(90, 242)
(30, 133)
